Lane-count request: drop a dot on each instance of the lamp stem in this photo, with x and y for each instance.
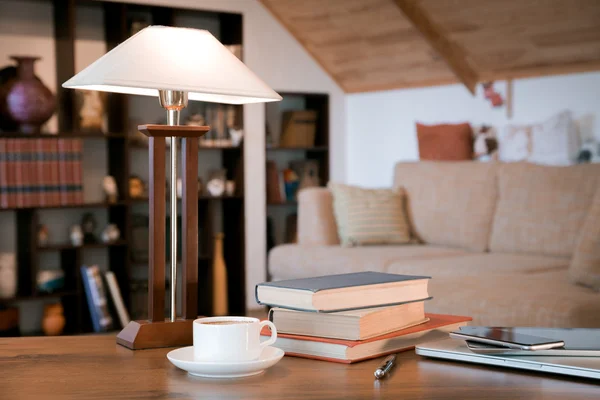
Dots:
(173, 101)
(171, 121)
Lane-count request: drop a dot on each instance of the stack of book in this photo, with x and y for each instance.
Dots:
(353, 317)
(40, 172)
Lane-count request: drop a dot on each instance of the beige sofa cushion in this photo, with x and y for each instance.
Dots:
(540, 299)
(316, 222)
(450, 203)
(541, 209)
(296, 261)
(478, 264)
(369, 216)
(585, 266)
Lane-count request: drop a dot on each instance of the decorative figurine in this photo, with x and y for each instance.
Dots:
(76, 235)
(88, 226)
(137, 187)
(91, 114)
(216, 183)
(230, 188)
(195, 120)
(42, 236)
(236, 136)
(110, 189)
(8, 275)
(111, 233)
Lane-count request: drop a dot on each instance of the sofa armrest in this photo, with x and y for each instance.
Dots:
(316, 222)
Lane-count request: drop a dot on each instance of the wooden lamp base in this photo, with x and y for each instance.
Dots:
(158, 332)
(138, 335)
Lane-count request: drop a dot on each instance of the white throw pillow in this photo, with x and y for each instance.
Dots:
(552, 142)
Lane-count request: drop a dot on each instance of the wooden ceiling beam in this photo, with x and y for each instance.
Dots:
(454, 55)
(540, 70)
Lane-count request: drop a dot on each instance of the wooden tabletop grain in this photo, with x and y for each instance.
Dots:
(94, 367)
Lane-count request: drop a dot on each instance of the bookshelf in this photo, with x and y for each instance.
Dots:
(281, 214)
(123, 158)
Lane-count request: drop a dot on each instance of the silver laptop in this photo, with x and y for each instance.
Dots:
(556, 362)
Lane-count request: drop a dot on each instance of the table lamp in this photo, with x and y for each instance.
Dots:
(174, 64)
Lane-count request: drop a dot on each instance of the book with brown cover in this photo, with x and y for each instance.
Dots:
(350, 351)
(273, 184)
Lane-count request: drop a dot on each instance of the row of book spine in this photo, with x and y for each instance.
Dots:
(40, 172)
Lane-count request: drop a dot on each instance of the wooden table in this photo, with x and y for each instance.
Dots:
(95, 367)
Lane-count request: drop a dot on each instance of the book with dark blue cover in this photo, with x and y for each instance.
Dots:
(332, 293)
(96, 298)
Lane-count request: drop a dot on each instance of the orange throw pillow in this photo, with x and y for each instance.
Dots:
(445, 142)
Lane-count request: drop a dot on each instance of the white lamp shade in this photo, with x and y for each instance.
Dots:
(183, 59)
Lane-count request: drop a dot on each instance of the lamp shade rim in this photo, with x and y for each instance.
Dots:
(145, 89)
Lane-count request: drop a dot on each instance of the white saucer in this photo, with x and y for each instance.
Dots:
(184, 358)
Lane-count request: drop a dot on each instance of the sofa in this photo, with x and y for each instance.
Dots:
(498, 240)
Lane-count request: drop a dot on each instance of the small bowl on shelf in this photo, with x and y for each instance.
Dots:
(50, 281)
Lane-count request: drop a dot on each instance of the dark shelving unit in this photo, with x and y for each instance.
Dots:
(230, 210)
(278, 213)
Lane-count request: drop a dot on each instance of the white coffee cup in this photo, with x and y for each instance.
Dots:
(226, 339)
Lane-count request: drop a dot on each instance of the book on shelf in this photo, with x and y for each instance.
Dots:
(96, 298)
(291, 182)
(343, 292)
(3, 174)
(76, 168)
(19, 172)
(40, 172)
(298, 128)
(273, 184)
(117, 299)
(349, 325)
(350, 351)
(54, 194)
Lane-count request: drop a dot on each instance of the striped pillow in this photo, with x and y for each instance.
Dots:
(369, 216)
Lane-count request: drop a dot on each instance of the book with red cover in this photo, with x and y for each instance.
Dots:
(54, 193)
(42, 173)
(29, 172)
(3, 174)
(19, 182)
(77, 148)
(350, 351)
(11, 173)
(63, 171)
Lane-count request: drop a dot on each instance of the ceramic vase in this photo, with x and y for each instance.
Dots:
(219, 281)
(54, 320)
(8, 275)
(25, 99)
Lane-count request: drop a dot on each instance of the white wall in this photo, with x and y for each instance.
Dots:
(381, 126)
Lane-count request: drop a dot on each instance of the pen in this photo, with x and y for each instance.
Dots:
(385, 367)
